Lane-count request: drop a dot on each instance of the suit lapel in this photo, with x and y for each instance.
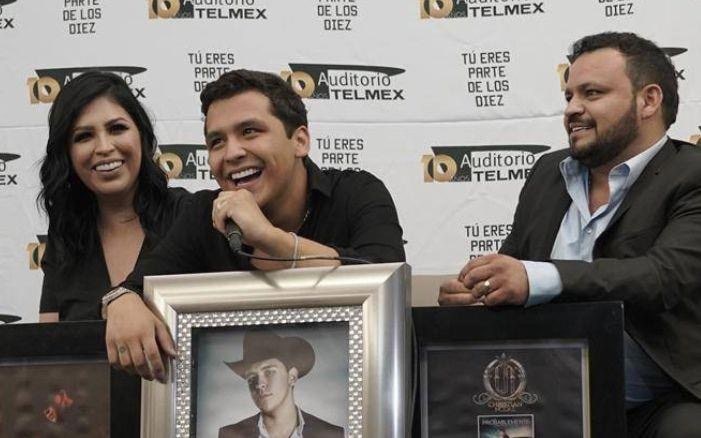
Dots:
(560, 201)
(647, 177)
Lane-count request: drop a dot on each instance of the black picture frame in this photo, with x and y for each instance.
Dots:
(599, 325)
(25, 344)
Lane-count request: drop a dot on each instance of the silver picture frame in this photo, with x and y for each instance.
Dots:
(374, 299)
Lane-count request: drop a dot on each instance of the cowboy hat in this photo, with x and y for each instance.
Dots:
(259, 345)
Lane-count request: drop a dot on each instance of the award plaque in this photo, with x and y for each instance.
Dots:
(548, 371)
(56, 382)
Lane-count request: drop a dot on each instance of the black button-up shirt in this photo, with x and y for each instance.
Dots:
(349, 211)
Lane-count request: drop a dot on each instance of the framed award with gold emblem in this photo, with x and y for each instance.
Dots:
(547, 371)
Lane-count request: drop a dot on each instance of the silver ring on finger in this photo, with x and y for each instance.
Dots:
(121, 349)
(486, 288)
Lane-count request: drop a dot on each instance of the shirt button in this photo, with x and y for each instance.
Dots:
(587, 230)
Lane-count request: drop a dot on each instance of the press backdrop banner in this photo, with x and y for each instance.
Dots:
(449, 102)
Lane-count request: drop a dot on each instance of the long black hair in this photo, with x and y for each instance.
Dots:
(71, 207)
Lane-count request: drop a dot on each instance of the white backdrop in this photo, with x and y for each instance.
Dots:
(389, 85)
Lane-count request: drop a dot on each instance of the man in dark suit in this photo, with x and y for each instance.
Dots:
(615, 217)
(271, 365)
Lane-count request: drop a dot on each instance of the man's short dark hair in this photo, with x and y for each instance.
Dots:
(286, 105)
(646, 64)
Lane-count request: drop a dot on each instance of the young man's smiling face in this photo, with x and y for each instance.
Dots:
(249, 148)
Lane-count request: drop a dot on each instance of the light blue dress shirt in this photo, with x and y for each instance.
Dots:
(575, 240)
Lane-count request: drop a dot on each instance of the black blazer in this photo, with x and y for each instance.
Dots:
(649, 257)
(313, 428)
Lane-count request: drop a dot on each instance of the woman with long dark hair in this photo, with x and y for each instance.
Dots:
(106, 199)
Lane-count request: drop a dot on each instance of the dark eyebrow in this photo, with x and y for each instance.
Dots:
(115, 120)
(585, 85)
(210, 135)
(238, 126)
(261, 369)
(109, 122)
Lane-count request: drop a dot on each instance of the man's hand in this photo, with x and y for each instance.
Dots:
(496, 279)
(241, 207)
(454, 293)
(266, 239)
(133, 337)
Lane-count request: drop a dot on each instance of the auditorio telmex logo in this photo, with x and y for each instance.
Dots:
(564, 68)
(7, 178)
(696, 138)
(35, 250)
(185, 161)
(45, 86)
(344, 81)
(474, 9)
(480, 163)
(170, 9)
(5, 21)
(206, 9)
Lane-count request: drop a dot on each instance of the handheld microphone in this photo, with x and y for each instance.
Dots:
(234, 236)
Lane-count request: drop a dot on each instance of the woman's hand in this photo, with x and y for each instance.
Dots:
(137, 340)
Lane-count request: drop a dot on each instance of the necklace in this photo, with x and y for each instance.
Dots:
(304, 219)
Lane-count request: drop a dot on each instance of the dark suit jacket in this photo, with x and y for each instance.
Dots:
(313, 428)
(649, 256)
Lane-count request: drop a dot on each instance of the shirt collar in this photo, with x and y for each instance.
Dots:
(297, 432)
(317, 181)
(637, 163)
(572, 169)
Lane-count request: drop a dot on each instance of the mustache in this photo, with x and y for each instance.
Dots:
(580, 121)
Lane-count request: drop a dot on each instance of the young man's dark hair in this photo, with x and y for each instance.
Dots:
(286, 105)
(646, 64)
(286, 207)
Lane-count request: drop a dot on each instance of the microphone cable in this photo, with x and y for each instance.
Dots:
(302, 258)
(235, 238)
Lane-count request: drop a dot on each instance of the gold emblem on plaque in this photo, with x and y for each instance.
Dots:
(504, 381)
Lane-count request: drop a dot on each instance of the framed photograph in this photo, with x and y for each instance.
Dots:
(56, 381)
(495, 372)
(324, 349)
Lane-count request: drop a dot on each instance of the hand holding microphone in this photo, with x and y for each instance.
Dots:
(237, 216)
(234, 236)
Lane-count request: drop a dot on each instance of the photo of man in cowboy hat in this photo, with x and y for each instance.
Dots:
(272, 365)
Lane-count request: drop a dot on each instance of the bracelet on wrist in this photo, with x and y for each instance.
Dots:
(111, 296)
(295, 252)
